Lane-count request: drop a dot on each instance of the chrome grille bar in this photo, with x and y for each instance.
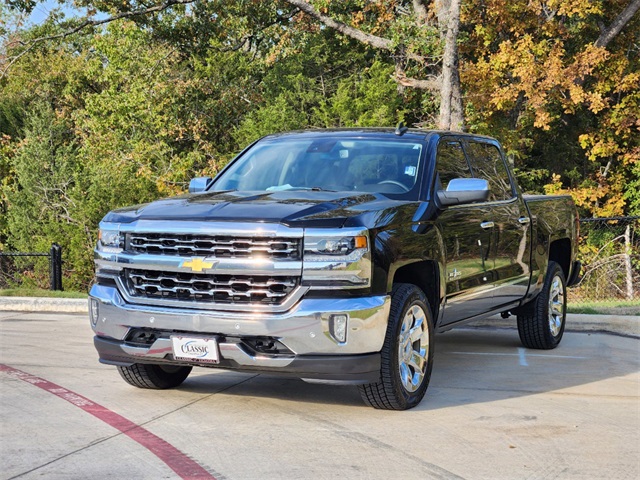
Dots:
(213, 246)
(151, 284)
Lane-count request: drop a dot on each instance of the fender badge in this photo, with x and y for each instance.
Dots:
(198, 264)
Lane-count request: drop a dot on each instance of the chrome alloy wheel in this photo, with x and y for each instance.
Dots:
(413, 348)
(556, 305)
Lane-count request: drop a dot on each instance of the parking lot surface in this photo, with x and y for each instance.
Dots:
(493, 410)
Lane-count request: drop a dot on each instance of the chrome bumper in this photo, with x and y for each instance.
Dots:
(304, 330)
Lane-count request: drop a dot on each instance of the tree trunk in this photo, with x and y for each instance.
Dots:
(451, 111)
(618, 24)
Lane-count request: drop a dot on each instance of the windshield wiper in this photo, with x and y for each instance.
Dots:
(282, 188)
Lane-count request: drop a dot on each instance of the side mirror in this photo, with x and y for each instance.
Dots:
(200, 184)
(464, 190)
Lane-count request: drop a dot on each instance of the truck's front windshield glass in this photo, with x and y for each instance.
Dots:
(338, 164)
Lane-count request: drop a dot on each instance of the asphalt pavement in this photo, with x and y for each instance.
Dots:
(494, 410)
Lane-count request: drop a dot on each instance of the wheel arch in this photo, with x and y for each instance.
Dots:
(560, 252)
(425, 275)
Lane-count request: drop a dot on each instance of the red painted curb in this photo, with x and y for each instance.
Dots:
(180, 463)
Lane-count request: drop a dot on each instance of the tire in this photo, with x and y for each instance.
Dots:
(541, 322)
(405, 365)
(156, 377)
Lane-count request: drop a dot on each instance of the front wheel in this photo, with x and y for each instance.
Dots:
(541, 322)
(407, 353)
(143, 375)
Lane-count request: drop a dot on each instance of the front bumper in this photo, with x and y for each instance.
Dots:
(311, 351)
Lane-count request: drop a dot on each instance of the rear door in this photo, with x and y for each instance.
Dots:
(511, 244)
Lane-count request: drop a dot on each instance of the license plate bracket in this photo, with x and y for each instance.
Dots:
(195, 349)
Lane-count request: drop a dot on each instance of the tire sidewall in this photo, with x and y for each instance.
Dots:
(404, 299)
(554, 270)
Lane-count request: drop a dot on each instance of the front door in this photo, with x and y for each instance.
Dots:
(467, 235)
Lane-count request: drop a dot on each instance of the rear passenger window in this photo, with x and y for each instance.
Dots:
(451, 162)
(487, 163)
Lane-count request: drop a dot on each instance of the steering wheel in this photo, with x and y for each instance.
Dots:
(397, 184)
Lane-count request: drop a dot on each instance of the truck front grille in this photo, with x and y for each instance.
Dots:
(213, 246)
(197, 287)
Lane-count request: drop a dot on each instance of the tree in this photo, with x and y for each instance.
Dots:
(565, 101)
(104, 125)
(405, 32)
(451, 109)
(412, 36)
(410, 39)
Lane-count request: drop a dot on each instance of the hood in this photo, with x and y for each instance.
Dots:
(290, 207)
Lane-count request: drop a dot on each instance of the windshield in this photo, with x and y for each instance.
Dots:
(339, 164)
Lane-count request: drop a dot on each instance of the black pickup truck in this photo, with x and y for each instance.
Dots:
(333, 256)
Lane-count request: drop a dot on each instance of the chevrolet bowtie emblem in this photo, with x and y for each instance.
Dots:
(198, 264)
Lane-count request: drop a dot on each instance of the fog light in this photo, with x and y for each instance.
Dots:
(93, 311)
(338, 327)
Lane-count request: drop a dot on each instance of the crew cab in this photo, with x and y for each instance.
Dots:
(333, 256)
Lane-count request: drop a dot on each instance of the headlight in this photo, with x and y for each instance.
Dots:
(110, 241)
(335, 246)
(336, 258)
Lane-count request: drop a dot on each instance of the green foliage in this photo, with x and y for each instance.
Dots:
(38, 292)
(274, 117)
(605, 307)
(45, 198)
(532, 180)
(26, 6)
(365, 100)
(6, 152)
(632, 193)
(362, 99)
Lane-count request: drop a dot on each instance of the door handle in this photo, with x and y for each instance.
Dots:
(524, 220)
(487, 225)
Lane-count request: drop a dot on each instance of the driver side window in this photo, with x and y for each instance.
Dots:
(488, 164)
(451, 162)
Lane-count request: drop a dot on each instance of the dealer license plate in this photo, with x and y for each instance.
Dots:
(195, 349)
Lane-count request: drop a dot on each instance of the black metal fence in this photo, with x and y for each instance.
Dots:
(12, 271)
(610, 255)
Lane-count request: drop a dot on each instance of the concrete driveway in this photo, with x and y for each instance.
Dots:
(493, 410)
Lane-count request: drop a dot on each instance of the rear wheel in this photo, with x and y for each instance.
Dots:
(407, 353)
(541, 322)
(154, 376)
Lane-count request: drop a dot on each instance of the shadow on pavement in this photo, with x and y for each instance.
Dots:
(471, 366)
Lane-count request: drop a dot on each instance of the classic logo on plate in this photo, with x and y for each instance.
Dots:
(195, 349)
